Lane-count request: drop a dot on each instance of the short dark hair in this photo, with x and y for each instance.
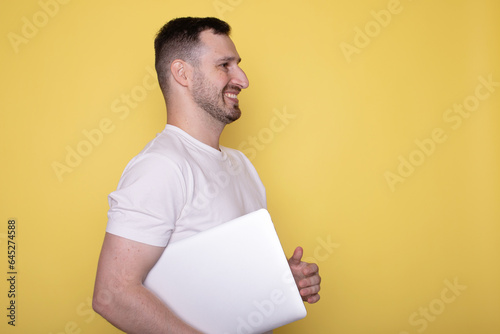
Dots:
(180, 39)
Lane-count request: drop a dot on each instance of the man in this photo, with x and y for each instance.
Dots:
(182, 182)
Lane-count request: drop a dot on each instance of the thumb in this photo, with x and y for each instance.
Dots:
(296, 257)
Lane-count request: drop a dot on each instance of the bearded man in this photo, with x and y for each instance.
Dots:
(161, 197)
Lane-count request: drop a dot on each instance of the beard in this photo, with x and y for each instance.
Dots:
(208, 97)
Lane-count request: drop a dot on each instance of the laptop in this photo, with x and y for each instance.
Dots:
(230, 279)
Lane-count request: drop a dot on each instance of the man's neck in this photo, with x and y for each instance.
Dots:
(205, 129)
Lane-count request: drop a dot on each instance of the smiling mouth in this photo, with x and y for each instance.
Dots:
(231, 95)
(232, 98)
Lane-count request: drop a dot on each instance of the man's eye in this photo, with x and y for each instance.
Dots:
(225, 65)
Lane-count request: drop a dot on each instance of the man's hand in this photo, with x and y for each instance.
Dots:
(306, 276)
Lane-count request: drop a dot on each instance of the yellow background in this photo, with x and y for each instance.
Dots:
(387, 251)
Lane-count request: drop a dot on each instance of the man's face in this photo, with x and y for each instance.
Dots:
(218, 79)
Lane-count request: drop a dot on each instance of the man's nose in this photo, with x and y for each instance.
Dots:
(240, 78)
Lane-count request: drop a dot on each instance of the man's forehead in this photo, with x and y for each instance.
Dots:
(219, 46)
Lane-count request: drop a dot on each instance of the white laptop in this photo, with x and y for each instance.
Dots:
(230, 279)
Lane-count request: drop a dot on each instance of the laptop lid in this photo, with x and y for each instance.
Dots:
(233, 278)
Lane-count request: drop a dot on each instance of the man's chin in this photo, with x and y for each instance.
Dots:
(233, 116)
(230, 120)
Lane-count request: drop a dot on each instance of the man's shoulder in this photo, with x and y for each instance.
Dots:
(167, 144)
(235, 154)
(162, 153)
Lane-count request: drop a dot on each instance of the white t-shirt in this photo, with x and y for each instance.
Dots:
(178, 186)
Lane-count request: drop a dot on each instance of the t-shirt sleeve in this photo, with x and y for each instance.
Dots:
(148, 200)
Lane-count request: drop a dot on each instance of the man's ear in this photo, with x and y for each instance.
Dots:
(180, 71)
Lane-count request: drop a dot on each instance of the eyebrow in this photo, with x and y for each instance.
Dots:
(229, 59)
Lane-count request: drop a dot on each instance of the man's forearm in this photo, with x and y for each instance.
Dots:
(138, 311)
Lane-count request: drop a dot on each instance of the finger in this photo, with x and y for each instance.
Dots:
(296, 257)
(310, 290)
(310, 281)
(310, 269)
(313, 299)
(306, 294)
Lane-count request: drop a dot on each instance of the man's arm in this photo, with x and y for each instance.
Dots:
(306, 276)
(119, 294)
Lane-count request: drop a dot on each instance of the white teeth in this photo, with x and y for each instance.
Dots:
(233, 96)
